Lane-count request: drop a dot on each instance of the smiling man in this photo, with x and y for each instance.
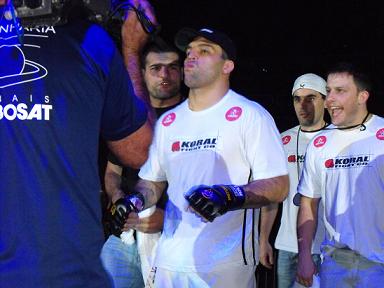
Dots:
(344, 166)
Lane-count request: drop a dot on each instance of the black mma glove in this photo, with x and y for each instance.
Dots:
(212, 201)
(120, 210)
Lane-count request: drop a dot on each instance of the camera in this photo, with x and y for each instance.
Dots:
(51, 12)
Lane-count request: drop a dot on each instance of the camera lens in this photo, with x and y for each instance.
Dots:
(32, 4)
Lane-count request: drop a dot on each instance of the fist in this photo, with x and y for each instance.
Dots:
(120, 210)
(212, 201)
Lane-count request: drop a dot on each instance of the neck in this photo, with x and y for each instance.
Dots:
(314, 128)
(360, 124)
(203, 98)
(162, 103)
(360, 118)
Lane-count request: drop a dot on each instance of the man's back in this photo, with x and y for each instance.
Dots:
(52, 111)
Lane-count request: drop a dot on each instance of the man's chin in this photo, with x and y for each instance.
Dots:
(306, 122)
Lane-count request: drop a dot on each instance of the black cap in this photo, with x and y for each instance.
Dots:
(186, 36)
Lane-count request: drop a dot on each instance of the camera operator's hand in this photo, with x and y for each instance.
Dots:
(133, 34)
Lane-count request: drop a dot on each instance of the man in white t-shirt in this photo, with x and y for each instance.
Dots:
(128, 257)
(308, 93)
(216, 137)
(344, 166)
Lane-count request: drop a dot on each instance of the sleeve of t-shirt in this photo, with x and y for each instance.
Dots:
(123, 113)
(152, 169)
(309, 184)
(263, 145)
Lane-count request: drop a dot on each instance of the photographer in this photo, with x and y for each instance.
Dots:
(62, 83)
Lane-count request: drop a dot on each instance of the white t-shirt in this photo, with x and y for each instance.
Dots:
(295, 144)
(346, 169)
(229, 143)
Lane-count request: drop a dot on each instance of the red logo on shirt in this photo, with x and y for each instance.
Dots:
(176, 146)
(286, 139)
(320, 141)
(291, 158)
(168, 119)
(233, 114)
(329, 163)
(380, 134)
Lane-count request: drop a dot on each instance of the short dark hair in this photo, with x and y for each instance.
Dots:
(357, 71)
(158, 46)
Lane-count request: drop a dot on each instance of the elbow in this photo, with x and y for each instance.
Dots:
(139, 160)
(133, 150)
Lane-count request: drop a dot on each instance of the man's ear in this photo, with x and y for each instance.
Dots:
(228, 66)
(363, 97)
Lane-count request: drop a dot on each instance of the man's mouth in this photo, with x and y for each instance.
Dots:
(335, 111)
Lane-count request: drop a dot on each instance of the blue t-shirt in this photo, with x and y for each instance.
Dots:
(57, 92)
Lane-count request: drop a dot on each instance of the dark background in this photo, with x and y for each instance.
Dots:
(277, 41)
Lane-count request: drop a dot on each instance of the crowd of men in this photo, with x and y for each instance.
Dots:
(206, 164)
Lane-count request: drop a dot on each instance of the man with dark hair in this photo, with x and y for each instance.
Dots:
(129, 261)
(344, 166)
(61, 84)
(212, 151)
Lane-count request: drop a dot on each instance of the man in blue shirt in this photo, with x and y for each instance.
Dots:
(60, 86)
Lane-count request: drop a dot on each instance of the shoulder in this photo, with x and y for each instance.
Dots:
(321, 139)
(375, 126)
(291, 131)
(170, 116)
(378, 120)
(91, 37)
(249, 108)
(288, 135)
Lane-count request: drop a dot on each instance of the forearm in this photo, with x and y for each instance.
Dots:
(150, 190)
(267, 219)
(306, 224)
(112, 180)
(112, 186)
(263, 192)
(133, 40)
(132, 63)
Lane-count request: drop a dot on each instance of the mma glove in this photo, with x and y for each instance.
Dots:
(119, 211)
(212, 201)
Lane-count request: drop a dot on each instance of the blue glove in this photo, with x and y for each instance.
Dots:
(212, 201)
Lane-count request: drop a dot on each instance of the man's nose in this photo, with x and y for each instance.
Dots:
(164, 71)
